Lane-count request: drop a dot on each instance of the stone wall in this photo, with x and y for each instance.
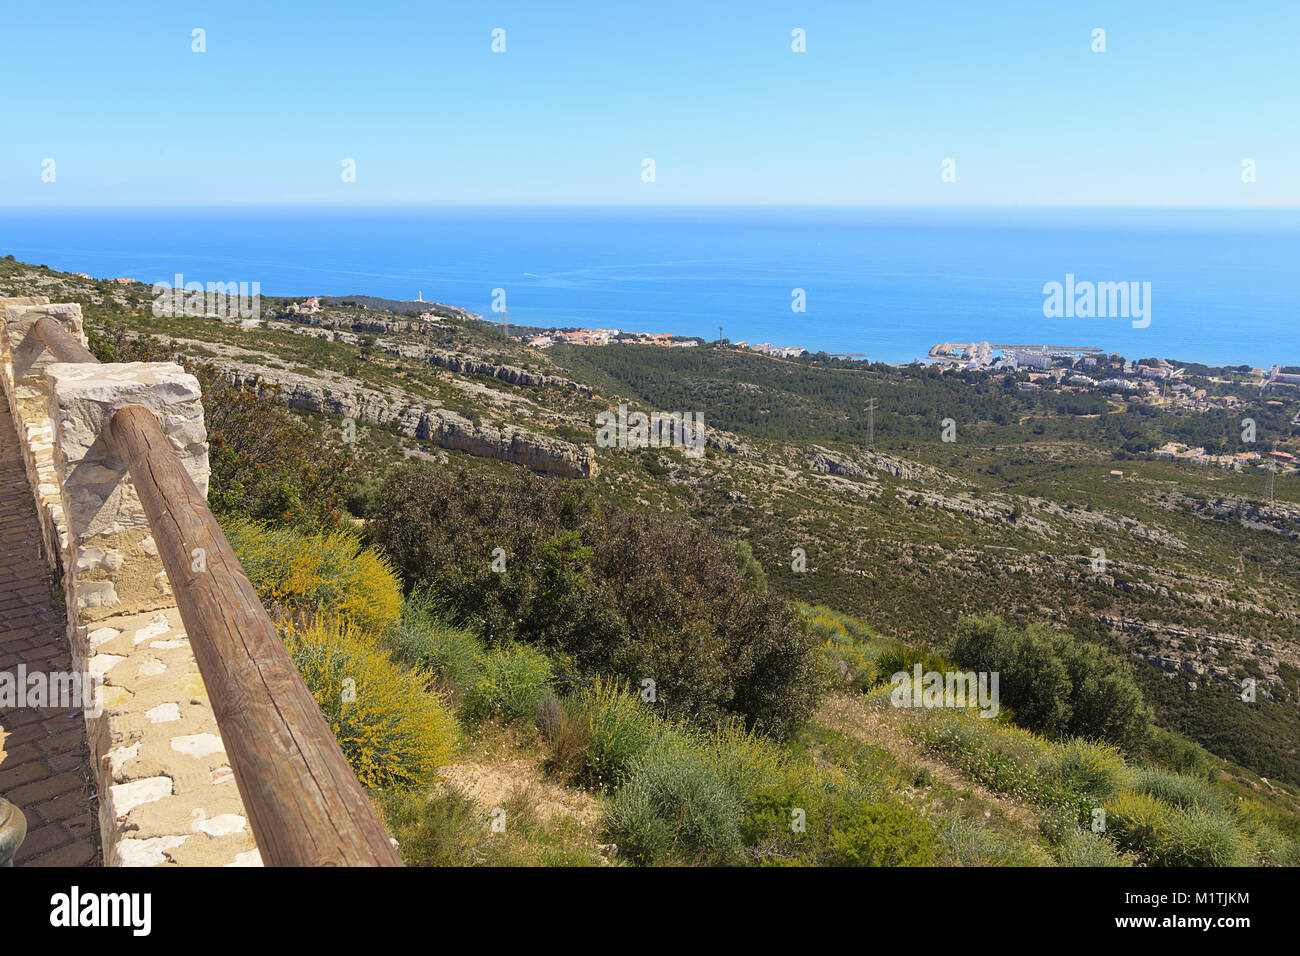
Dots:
(166, 792)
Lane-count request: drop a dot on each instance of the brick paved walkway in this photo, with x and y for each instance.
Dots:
(44, 760)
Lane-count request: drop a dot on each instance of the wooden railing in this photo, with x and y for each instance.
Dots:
(305, 805)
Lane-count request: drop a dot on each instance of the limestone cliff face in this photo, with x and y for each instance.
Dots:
(326, 320)
(345, 329)
(440, 426)
(468, 365)
(839, 464)
(835, 466)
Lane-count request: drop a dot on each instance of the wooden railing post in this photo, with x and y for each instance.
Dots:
(304, 802)
(132, 478)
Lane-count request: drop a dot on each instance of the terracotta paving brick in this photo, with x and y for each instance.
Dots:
(79, 853)
(41, 839)
(44, 760)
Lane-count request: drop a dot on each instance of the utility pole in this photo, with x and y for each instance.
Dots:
(1272, 467)
(505, 324)
(871, 421)
(719, 335)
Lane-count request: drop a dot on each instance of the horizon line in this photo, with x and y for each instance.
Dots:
(530, 204)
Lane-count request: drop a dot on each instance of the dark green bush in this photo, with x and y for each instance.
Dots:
(267, 464)
(1180, 754)
(621, 593)
(1056, 684)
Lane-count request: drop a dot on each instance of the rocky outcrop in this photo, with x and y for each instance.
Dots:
(899, 468)
(368, 323)
(1278, 517)
(468, 365)
(725, 443)
(836, 466)
(838, 463)
(440, 426)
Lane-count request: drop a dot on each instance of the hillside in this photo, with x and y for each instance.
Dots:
(910, 533)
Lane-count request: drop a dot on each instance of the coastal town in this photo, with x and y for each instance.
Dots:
(1089, 367)
(666, 339)
(1156, 383)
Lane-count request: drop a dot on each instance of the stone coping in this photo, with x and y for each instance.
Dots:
(167, 795)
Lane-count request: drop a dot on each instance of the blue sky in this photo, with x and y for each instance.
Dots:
(711, 91)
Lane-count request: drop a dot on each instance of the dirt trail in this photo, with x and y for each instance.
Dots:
(506, 763)
(882, 725)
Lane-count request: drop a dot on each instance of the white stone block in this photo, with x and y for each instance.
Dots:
(151, 852)
(81, 400)
(26, 354)
(198, 745)
(127, 796)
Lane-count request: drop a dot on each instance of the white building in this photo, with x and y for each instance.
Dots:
(1025, 359)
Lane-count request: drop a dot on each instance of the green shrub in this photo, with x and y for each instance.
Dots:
(1203, 838)
(1180, 754)
(441, 828)
(1085, 848)
(1056, 684)
(394, 733)
(267, 463)
(1274, 848)
(366, 497)
(786, 823)
(1163, 835)
(1177, 790)
(904, 658)
(621, 729)
(510, 682)
(623, 593)
(674, 807)
(423, 639)
(1094, 770)
(971, 844)
(884, 834)
(452, 655)
(749, 567)
(309, 574)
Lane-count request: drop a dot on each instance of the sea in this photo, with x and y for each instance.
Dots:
(882, 283)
